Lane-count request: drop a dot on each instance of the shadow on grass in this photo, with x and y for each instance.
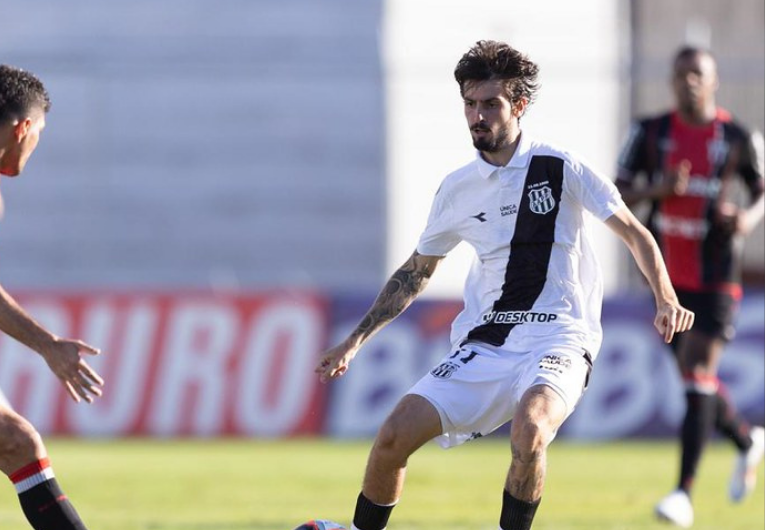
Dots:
(281, 526)
(220, 526)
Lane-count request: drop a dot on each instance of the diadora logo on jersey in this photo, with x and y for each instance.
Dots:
(444, 370)
(510, 209)
(555, 363)
(540, 198)
(518, 317)
(481, 217)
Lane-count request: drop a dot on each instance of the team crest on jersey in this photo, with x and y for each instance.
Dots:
(541, 200)
(444, 370)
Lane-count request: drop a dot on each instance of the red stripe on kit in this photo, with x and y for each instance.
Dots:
(29, 470)
(46, 507)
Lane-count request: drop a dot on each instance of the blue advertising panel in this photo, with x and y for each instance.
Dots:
(635, 389)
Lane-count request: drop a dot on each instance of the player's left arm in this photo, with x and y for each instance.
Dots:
(671, 317)
(750, 165)
(64, 356)
(750, 217)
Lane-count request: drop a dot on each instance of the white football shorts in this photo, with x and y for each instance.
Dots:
(477, 388)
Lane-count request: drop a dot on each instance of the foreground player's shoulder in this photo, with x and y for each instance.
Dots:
(571, 159)
(461, 177)
(582, 180)
(542, 148)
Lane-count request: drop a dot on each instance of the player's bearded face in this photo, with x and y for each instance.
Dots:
(490, 139)
(490, 115)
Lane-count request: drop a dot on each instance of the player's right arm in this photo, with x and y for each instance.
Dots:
(635, 159)
(399, 292)
(672, 183)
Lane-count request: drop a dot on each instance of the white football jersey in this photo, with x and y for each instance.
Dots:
(535, 274)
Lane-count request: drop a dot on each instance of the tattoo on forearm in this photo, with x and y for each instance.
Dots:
(402, 288)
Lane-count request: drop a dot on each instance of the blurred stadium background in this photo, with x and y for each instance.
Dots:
(223, 187)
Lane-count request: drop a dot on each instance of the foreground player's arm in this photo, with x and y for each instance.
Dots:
(671, 317)
(64, 357)
(402, 288)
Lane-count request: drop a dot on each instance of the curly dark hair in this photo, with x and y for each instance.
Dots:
(489, 60)
(20, 93)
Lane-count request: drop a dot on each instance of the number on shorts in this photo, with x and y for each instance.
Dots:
(466, 359)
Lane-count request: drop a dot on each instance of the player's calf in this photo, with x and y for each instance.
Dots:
(44, 504)
(24, 460)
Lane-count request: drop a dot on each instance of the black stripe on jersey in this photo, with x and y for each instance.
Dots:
(719, 256)
(656, 150)
(530, 251)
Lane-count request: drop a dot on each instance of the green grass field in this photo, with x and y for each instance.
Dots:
(265, 485)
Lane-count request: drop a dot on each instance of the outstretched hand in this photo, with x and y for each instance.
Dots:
(65, 359)
(334, 363)
(672, 318)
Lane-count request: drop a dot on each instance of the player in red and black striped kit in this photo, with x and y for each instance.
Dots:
(23, 458)
(690, 162)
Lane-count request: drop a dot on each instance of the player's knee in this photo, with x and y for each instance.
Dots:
(413, 422)
(20, 443)
(530, 438)
(391, 440)
(396, 440)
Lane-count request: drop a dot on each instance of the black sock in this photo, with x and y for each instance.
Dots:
(370, 516)
(697, 427)
(47, 508)
(729, 423)
(517, 514)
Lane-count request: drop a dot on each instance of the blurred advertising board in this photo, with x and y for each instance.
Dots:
(634, 389)
(178, 364)
(241, 364)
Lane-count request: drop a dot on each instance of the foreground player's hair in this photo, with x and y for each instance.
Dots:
(489, 60)
(20, 94)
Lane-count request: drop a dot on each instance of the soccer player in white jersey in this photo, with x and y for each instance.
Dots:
(524, 344)
(23, 457)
